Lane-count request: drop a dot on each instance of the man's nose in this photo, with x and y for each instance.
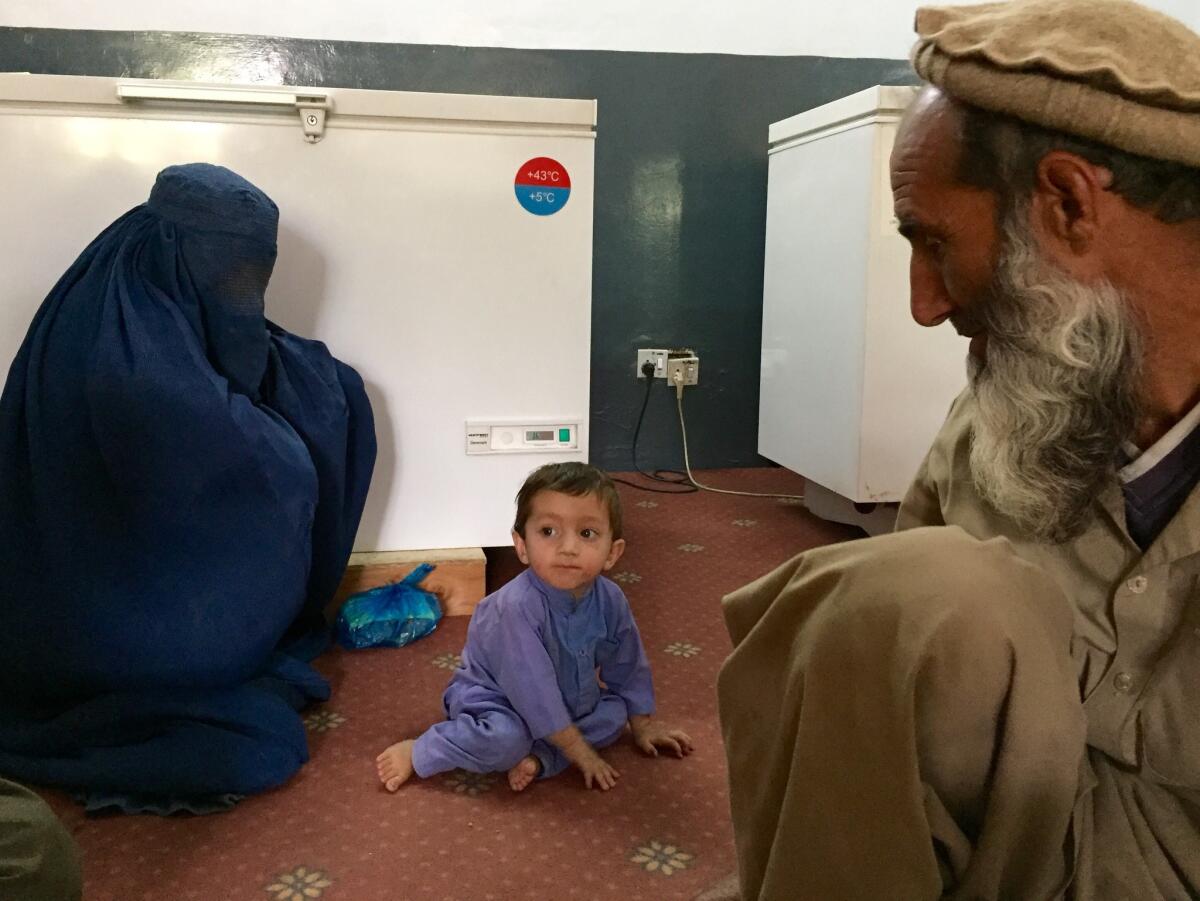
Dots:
(929, 300)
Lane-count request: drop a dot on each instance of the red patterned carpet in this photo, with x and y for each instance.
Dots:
(333, 834)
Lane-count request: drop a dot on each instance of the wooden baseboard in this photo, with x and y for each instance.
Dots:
(458, 581)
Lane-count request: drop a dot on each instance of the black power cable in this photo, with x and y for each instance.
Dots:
(683, 485)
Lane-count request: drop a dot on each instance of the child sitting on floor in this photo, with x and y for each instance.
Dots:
(526, 697)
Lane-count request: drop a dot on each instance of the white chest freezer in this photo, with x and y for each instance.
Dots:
(440, 244)
(853, 391)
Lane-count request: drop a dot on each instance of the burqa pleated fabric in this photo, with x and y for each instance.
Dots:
(180, 485)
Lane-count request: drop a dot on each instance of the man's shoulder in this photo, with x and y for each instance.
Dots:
(943, 491)
(956, 430)
(949, 457)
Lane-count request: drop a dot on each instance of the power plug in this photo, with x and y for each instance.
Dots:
(683, 371)
(657, 358)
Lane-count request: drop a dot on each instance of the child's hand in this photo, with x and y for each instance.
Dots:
(584, 756)
(596, 769)
(650, 736)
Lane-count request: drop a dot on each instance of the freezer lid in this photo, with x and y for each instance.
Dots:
(314, 109)
(882, 102)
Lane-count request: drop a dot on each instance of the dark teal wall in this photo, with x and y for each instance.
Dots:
(684, 131)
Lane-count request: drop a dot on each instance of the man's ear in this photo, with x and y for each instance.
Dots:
(519, 544)
(614, 554)
(1070, 199)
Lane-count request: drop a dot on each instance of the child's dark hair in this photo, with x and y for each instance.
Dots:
(576, 479)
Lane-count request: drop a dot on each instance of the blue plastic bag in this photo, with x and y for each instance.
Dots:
(390, 616)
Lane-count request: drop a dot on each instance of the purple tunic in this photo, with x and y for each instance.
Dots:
(529, 670)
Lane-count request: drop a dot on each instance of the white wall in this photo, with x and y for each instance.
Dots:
(851, 28)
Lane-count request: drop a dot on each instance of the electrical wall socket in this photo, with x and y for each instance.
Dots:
(656, 356)
(683, 371)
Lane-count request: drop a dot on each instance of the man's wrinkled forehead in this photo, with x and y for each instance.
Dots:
(928, 141)
(924, 167)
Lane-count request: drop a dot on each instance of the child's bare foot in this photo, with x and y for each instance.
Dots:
(523, 773)
(395, 765)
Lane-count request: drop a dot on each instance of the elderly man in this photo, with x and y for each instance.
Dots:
(999, 701)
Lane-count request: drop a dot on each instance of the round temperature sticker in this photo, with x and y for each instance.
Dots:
(543, 186)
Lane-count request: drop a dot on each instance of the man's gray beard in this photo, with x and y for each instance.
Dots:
(1057, 396)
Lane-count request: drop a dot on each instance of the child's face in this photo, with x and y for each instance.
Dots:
(568, 541)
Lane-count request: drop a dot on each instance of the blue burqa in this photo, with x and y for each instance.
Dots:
(180, 484)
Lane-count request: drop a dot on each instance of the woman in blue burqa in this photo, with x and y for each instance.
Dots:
(180, 485)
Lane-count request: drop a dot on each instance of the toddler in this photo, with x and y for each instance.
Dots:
(526, 698)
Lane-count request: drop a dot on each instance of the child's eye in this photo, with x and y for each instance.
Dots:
(547, 531)
(588, 533)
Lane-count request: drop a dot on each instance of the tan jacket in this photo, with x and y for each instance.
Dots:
(1136, 641)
